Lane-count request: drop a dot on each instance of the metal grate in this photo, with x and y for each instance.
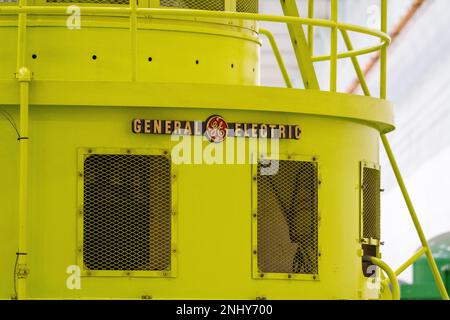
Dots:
(288, 218)
(212, 5)
(91, 1)
(127, 212)
(251, 6)
(371, 203)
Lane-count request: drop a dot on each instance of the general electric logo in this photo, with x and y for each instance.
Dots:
(216, 129)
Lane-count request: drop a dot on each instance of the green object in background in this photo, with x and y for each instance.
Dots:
(424, 286)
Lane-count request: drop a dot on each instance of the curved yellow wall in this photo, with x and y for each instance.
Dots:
(197, 69)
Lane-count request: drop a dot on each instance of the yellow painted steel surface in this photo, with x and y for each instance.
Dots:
(213, 229)
(89, 84)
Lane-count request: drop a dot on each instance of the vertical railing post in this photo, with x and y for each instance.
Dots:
(383, 57)
(23, 76)
(230, 5)
(334, 46)
(133, 36)
(311, 27)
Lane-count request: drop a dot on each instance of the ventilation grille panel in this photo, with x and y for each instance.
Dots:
(211, 5)
(288, 219)
(251, 6)
(371, 203)
(127, 2)
(127, 213)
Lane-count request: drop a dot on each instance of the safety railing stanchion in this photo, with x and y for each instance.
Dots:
(383, 53)
(334, 46)
(311, 27)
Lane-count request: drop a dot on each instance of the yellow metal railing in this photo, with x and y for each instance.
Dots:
(292, 19)
(276, 52)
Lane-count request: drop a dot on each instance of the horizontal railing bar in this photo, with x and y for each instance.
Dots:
(351, 53)
(198, 14)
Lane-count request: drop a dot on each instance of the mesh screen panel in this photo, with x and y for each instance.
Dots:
(371, 203)
(127, 212)
(251, 6)
(91, 1)
(212, 5)
(288, 218)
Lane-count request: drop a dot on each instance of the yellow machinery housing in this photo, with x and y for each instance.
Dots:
(90, 186)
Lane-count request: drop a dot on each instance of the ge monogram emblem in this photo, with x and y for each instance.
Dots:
(216, 129)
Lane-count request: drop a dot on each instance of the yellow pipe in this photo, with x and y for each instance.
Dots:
(391, 275)
(413, 214)
(359, 73)
(334, 47)
(311, 27)
(278, 56)
(133, 36)
(23, 75)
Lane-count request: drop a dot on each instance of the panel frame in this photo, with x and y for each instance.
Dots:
(256, 274)
(83, 154)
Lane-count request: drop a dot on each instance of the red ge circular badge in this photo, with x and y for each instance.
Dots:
(216, 129)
